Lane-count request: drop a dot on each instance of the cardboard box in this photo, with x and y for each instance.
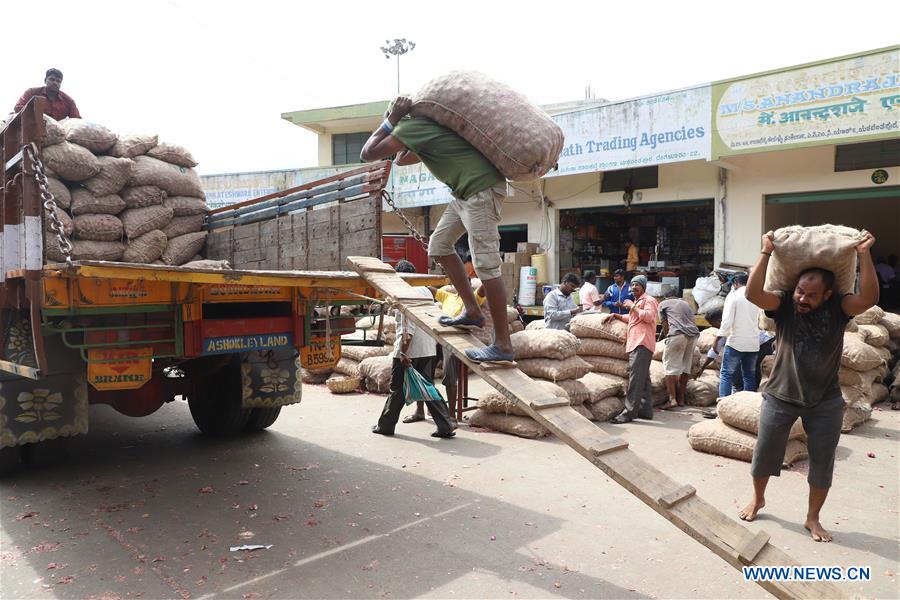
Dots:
(508, 269)
(528, 247)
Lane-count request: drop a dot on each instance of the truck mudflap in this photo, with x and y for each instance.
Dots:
(35, 411)
(271, 378)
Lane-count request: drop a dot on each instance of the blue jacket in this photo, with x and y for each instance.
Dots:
(614, 294)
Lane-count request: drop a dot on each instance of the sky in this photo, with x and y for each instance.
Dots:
(215, 77)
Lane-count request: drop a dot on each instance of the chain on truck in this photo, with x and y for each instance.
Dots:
(135, 336)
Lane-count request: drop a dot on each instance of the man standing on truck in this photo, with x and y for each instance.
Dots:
(59, 104)
(413, 347)
(809, 325)
(478, 190)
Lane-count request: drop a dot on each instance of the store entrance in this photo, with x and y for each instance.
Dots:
(674, 239)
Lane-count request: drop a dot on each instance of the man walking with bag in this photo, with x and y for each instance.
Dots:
(416, 348)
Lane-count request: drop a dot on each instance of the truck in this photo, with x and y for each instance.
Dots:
(231, 343)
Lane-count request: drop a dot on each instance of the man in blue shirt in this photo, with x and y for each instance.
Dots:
(617, 294)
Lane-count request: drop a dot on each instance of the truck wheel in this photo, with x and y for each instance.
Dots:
(260, 418)
(46, 453)
(10, 458)
(216, 404)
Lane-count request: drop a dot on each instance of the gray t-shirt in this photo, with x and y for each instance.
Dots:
(680, 317)
(809, 352)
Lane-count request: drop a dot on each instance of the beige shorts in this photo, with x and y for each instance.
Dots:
(479, 216)
(678, 357)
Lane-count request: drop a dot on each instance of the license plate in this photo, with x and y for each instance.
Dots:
(314, 355)
(119, 369)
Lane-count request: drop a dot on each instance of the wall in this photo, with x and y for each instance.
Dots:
(751, 177)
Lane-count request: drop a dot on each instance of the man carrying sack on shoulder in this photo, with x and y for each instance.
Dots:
(478, 190)
(810, 322)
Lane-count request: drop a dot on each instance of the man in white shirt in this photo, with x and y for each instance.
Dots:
(559, 306)
(413, 347)
(740, 328)
(589, 294)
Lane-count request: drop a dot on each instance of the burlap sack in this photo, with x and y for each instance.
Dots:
(85, 203)
(185, 206)
(891, 322)
(575, 390)
(172, 153)
(544, 343)
(315, 376)
(175, 180)
(861, 379)
(131, 145)
(204, 263)
(875, 335)
(181, 249)
(766, 323)
(516, 326)
(715, 437)
(880, 393)
(145, 248)
(525, 427)
(91, 250)
(70, 161)
(584, 411)
(707, 339)
(605, 364)
(854, 416)
(389, 325)
(98, 228)
(495, 402)
(859, 355)
(603, 385)
(602, 347)
(53, 132)
(359, 353)
(870, 316)
(92, 136)
(704, 390)
(797, 248)
(607, 408)
(65, 220)
(766, 365)
(598, 326)
(113, 175)
(538, 324)
(61, 194)
(346, 366)
(742, 409)
(519, 138)
(139, 221)
(658, 383)
(554, 370)
(377, 371)
(143, 195)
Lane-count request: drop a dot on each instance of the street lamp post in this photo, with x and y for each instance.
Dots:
(397, 48)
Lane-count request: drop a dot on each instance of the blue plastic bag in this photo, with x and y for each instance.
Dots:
(417, 388)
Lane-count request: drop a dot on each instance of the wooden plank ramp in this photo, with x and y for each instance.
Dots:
(678, 503)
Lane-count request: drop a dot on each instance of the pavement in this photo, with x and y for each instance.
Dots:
(149, 508)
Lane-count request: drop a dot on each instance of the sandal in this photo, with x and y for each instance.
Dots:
(462, 322)
(669, 405)
(490, 354)
(414, 418)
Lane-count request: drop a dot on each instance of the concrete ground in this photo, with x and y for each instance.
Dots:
(149, 508)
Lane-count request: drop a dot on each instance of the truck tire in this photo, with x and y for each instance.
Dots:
(260, 418)
(10, 458)
(216, 405)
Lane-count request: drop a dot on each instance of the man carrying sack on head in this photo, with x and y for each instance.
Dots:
(478, 190)
(810, 322)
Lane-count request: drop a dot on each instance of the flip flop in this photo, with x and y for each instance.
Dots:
(443, 434)
(462, 322)
(669, 405)
(490, 354)
(414, 418)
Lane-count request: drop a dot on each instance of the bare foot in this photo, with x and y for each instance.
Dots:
(816, 531)
(748, 513)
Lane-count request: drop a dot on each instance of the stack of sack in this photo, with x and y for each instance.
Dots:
(122, 198)
(702, 391)
(486, 334)
(733, 433)
(499, 413)
(352, 361)
(866, 362)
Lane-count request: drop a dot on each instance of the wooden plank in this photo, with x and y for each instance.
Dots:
(678, 503)
(675, 496)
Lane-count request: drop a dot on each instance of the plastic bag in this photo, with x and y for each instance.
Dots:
(705, 288)
(418, 389)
